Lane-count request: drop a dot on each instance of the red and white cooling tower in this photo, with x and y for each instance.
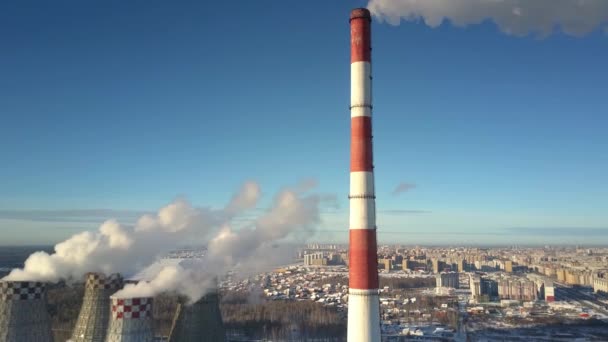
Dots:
(363, 301)
(131, 320)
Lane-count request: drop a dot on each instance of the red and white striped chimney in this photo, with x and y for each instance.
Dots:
(363, 301)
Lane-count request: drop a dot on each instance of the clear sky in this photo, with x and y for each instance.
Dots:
(124, 105)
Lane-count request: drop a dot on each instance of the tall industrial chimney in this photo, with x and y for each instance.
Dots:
(92, 323)
(201, 321)
(363, 301)
(23, 313)
(130, 320)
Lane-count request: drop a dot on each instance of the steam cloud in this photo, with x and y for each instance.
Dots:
(249, 249)
(517, 17)
(116, 248)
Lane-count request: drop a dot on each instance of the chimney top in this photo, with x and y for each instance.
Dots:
(360, 13)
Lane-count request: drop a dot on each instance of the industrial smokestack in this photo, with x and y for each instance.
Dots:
(201, 321)
(23, 313)
(363, 301)
(92, 323)
(130, 320)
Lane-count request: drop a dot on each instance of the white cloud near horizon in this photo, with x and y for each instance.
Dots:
(70, 215)
(334, 226)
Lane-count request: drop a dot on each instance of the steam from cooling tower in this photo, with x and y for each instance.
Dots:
(516, 17)
(248, 249)
(190, 282)
(118, 248)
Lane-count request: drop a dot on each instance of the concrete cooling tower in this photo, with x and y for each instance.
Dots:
(130, 320)
(23, 313)
(201, 321)
(92, 323)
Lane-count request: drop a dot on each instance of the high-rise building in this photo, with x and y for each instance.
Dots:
(475, 286)
(385, 264)
(460, 265)
(509, 266)
(561, 275)
(437, 265)
(549, 291)
(517, 289)
(448, 279)
(600, 283)
(489, 287)
(315, 259)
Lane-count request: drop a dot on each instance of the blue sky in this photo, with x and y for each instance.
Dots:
(124, 105)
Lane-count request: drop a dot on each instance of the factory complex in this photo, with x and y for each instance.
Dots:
(103, 317)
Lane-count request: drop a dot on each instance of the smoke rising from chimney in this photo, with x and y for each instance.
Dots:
(516, 17)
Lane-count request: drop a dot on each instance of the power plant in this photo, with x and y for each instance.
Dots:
(107, 318)
(24, 316)
(23, 313)
(201, 321)
(363, 297)
(92, 322)
(130, 320)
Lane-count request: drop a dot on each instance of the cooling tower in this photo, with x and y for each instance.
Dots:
(23, 313)
(92, 323)
(130, 320)
(201, 321)
(363, 300)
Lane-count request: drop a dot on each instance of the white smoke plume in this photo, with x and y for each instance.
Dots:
(116, 248)
(255, 247)
(516, 17)
(192, 282)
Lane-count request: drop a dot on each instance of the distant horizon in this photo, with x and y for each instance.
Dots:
(72, 221)
(409, 245)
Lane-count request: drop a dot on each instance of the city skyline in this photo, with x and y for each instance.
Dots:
(480, 136)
